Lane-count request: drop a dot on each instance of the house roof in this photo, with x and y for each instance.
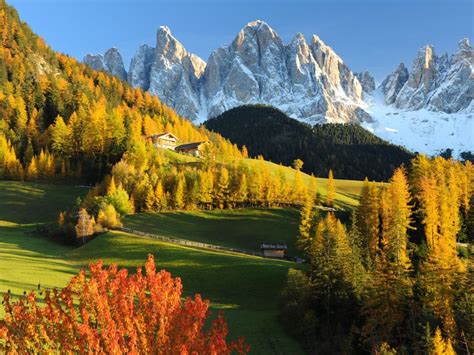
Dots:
(161, 135)
(274, 246)
(189, 145)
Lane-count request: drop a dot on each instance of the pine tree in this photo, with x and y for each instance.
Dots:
(331, 190)
(32, 171)
(440, 202)
(178, 193)
(332, 280)
(356, 244)
(242, 192)
(60, 136)
(307, 218)
(298, 187)
(399, 219)
(372, 220)
(150, 200)
(222, 188)
(111, 188)
(206, 186)
(441, 346)
(160, 197)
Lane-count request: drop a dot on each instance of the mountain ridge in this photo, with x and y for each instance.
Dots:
(308, 78)
(309, 81)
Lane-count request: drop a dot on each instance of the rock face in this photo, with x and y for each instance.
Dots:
(435, 83)
(393, 83)
(306, 80)
(140, 66)
(110, 62)
(95, 61)
(174, 74)
(367, 81)
(114, 62)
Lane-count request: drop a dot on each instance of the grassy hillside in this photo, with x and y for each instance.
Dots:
(34, 203)
(27, 259)
(245, 229)
(247, 293)
(244, 287)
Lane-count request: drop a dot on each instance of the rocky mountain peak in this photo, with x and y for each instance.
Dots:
(95, 61)
(464, 45)
(393, 83)
(255, 38)
(114, 62)
(168, 46)
(367, 81)
(111, 62)
(436, 83)
(308, 81)
(140, 67)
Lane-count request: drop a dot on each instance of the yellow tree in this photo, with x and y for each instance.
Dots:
(179, 191)
(439, 199)
(160, 197)
(298, 188)
(331, 190)
(85, 225)
(150, 199)
(440, 345)
(60, 137)
(307, 217)
(399, 219)
(372, 220)
(222, 193)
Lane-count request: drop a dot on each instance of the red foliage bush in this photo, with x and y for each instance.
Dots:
(114, 312)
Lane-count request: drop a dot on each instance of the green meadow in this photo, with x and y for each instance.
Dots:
(246, 288)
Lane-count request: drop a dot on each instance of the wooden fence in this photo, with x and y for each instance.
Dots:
(193, 244)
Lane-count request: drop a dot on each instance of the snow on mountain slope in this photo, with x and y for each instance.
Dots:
(422, 130)
(426, 108)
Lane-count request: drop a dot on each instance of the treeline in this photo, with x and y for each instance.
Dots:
(349, 150)
(395, 281)
(151, 182)
(60, 120)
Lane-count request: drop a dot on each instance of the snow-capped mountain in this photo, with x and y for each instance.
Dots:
(427, 109)
(307, 80)
(174, 74)
(430, 108)
(110, 62)
(367, 81)
(435, 83)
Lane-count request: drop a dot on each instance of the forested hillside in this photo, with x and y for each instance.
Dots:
(395, 281)
(59, 119)
(349, 150)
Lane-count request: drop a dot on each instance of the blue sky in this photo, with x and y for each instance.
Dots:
(368, 34)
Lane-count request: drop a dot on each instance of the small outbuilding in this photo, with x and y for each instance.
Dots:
(274, 250)
(164, 140)
(194, 148)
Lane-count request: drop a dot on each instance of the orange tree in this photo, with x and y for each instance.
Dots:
(114, 312)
